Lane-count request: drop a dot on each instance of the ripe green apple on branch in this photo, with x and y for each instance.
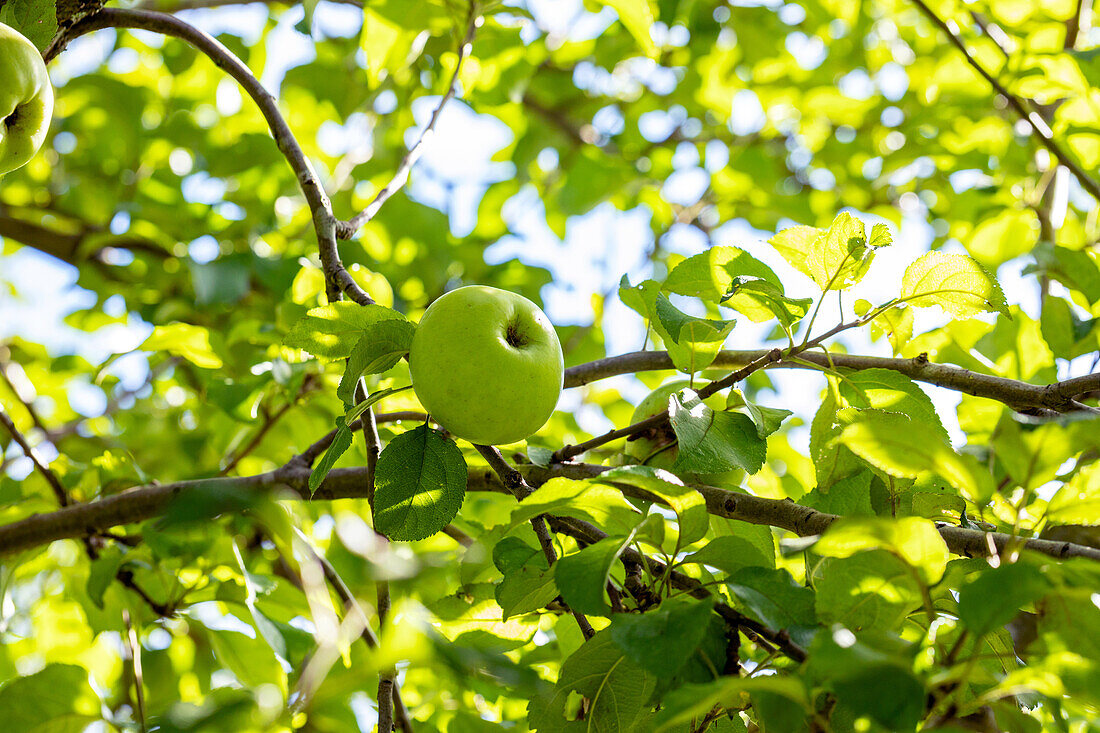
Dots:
(26, 100)
(487, 364)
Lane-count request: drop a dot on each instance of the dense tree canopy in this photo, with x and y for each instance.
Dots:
(863, 235)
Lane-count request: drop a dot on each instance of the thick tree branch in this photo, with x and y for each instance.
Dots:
(67, 245)
(88, 539)
(347, 229)
(1039, 128)
(324, 222)
(805, 521)
(142, 503)
(1020, 396)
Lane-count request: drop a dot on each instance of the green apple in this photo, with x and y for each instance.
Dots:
(657, 447)
(26, 100)
(487, 365)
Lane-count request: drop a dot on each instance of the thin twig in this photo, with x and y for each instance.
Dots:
(133, 650)
(515, 483)
(347, 229)
(351, 605)
(307, 385)
(256, 439)
(772, 637)
(51, 478)
(1039, 128)
(656, 421)
(387, 676)
(338, 279)
(313, 452)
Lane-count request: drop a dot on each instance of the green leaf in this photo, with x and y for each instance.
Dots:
(525, 590)
(712, 442)
(249, 658)
(56, 698)
(103, 571)
(888, 390)
(956, 283)
(209, 498)
(680, 326)
(913, 539)
(592, 502)
(773, 598)
(381, 346)
(896, 324)
(848, 496)
(900, 446)
(355, 412)
(637, 17)
(691, 702)
(268, 630)
(835, 259)
(891, 695)
(767, 419)
(184, 340)
(391, 36)
(582, 576)
(35, 19)
(333, 330)
(870, 590)
(512, 553)
(640, 298)
(528, 583)
(1008, 234)
(994, 597)
(832, 461)
(760, 299)
(688, 503)
(731, 553)
(692, 342)
(340, 444)
(662, 639)
(616, 689)
(223, 282)
(1078, 501)
(711, 275)
(421, 481)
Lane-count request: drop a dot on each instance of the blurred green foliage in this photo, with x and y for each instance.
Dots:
(793, 113)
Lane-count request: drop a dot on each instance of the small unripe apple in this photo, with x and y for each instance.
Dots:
(658, 447)
(26, 100)
(487, 364)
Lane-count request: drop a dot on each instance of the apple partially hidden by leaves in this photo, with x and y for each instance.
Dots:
(487, 364)
(658, 447)
(26, 100)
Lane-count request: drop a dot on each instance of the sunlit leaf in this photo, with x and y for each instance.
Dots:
(420, 483)
(956, 283)
(913, 539)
